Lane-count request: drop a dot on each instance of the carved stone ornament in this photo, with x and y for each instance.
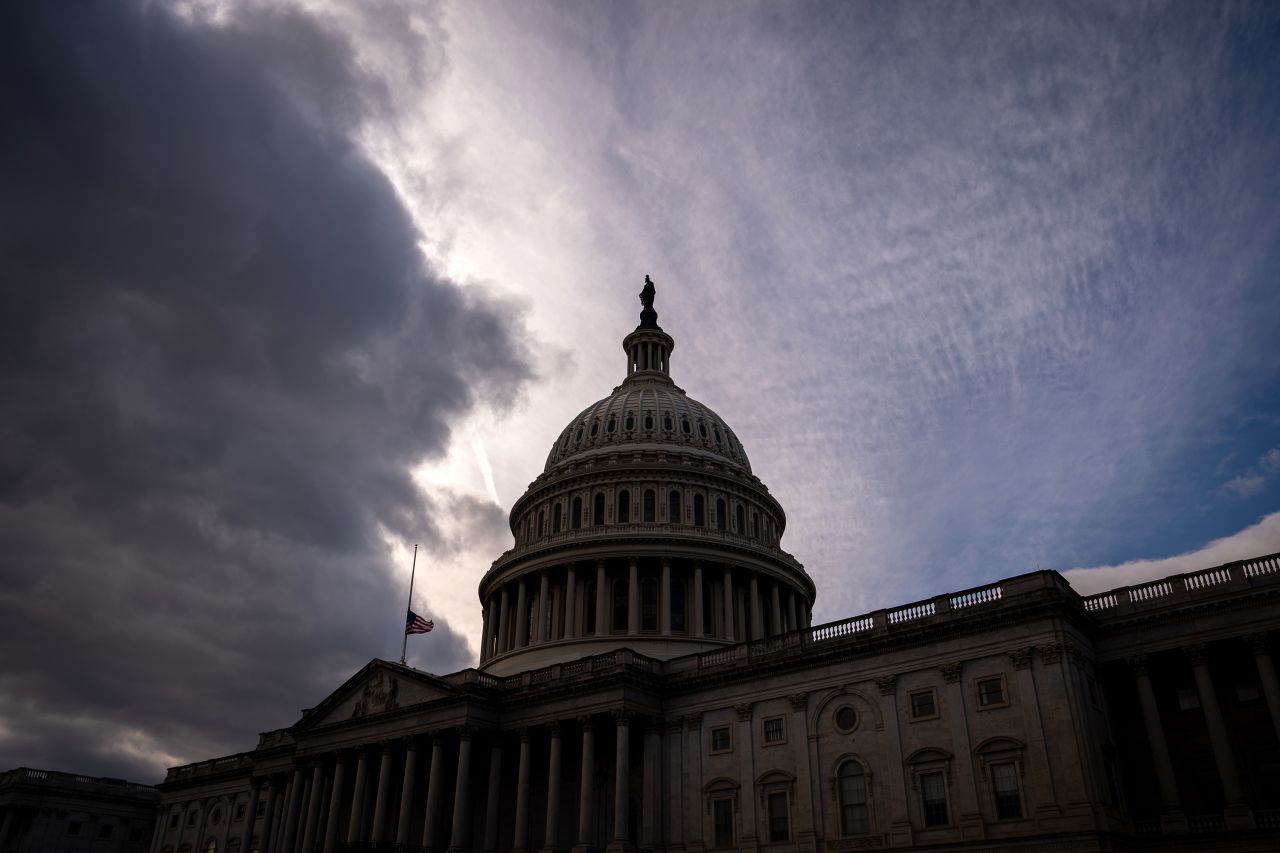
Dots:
(1137, 663)
(951, 671)
(378, 697)
(743, 711)
(799, 701)
(585, 722)
(1051, 653)
(1196, 654)
(1257, 643)
(622, 717)
(1022, 657)
(887, 684)
(693, 722)
(553, 728)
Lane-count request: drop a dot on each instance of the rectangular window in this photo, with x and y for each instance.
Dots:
(933, 792)
(173, 821)
(73, 827)
(722, 816)
(779, 822)
(775, 730)
(262, 809)
(1004, 785)
(105, 830)
(240, 807)
(990, 692)
(923, 705)
(721, 741)
(191, 819)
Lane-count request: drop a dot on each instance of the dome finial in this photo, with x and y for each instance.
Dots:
(648, 317)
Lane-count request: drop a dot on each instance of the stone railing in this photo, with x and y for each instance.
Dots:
(58, 779)
(209, 768)
(1178, 589)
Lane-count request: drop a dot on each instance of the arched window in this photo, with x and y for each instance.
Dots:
(624, 507)
(649, 501)
(677, 605)
(699, 511)
(630, 423)
(575, 515)
(673, 506)
(555, 518)
(620, 604)
(648, 420)
(851, 787)
(755, 525)
(597, 509)
(720, 514)
(740, 517)
(666, 422)
(648, 604)
(589, 605)
(212, 846)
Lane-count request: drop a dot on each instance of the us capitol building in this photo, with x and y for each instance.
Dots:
(649, 680)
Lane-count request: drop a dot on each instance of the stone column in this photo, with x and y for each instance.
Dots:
(601, 601)
(664, 599)
(291, 812)
(621, 779)
(313, 809)
(268, 817)
(522, 616)
(570, 604)
(698, 628)
(406, 790)
(757, 613)
(484, 631)
(778, 627)
(899, 823)
(522, 796)
(378, 832)
(246, 835)
(460, 835)
(435, 790)
(491, 814)
(1238, 814)
(1170, 804)
(798, 727)
(727, 621)
(335, 804)
(650, 819)
(355, 827)
(1267, 675)
(157, 831)
(633, 596)
(586, 790)
(503, 631)
(544, 592)
(553, 791)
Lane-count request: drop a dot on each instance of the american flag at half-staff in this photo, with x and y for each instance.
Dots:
(415, 624)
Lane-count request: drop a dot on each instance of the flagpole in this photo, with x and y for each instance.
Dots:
(405, 648)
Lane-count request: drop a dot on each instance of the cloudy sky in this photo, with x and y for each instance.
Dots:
(288, 287)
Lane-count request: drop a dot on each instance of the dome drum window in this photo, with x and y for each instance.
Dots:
(648, 421)
(595, 428)
(611, 425)
(667, 423)
(846, 719)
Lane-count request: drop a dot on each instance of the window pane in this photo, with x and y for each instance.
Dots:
(922, 704)
(778, 824)
(624, 506)
(853, 799)
(990, 692)
(933, 791)
(1004, 783)
(720, 738)
(723, 815)
(774, 731)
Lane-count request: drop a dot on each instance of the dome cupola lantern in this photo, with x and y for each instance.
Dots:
(646, 530)
(648, 348)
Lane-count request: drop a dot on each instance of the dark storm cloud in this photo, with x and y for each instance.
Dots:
(220, 351)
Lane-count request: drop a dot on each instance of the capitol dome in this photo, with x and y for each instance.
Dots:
(646, 529)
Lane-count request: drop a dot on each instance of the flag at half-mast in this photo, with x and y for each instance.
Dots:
(415, 624)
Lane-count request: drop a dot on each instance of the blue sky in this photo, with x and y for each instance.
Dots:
(982, 287)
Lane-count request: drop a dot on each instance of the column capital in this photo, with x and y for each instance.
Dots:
(693, 722)
(698, 564)
(666, 562)
(1257, 642)
(1138, 663)
(523, 733)
(385, 746)
(1195, 653)
(951, 671)
(743, 710)
(1022, 658)
(622, 716)
(586, 722)
(799, 701)
(600, 562)
(553, 728)
(1051, 653)
(465, 731)
(633, 562)
(887, 684)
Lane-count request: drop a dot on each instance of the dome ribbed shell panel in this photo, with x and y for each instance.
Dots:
(647, 413)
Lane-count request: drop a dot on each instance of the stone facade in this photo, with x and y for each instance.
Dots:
(649, 680)
(44, 811)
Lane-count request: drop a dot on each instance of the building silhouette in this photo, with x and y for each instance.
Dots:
(649, 680)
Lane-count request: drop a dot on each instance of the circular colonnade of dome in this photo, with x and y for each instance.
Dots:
(646, 530)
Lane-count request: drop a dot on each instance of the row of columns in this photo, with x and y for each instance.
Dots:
(1237, 812)
(563, 615)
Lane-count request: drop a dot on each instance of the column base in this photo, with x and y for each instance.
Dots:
(1239, 816)
(547, 849)
(620, 846)
(584, 848)
(1174, 823)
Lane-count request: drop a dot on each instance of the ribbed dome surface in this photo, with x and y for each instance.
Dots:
(647, 411)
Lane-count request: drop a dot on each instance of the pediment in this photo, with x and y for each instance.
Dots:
(380, 687)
